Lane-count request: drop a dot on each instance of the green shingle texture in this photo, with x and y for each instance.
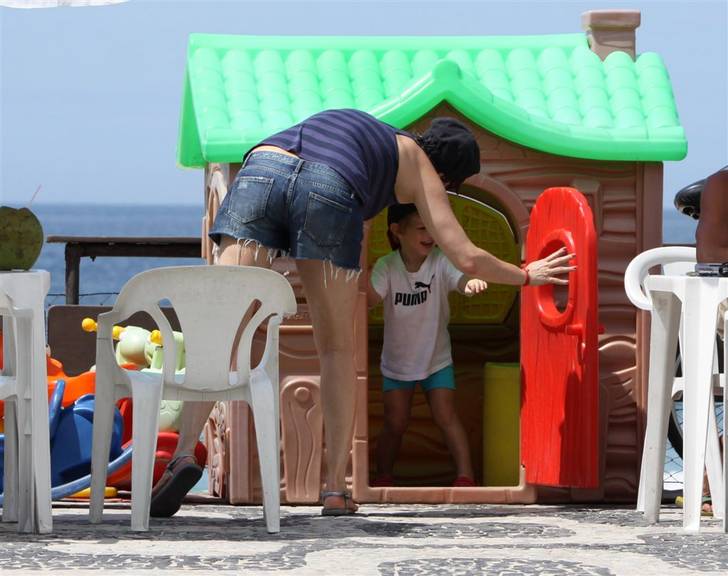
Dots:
(550, 93)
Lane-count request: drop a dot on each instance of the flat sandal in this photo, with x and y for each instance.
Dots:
(345, 511)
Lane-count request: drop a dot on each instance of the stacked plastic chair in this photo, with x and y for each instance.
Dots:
(26, 475)
(674, 261)
(210, 303)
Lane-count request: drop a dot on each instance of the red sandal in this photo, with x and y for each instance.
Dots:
(463, 482)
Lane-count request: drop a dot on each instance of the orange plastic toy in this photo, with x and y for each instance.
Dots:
(55, 372)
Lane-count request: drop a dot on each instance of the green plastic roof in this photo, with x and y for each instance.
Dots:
(550, 92)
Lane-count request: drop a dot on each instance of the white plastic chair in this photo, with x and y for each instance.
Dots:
(675, 261)
(23, 387)
(210, 302)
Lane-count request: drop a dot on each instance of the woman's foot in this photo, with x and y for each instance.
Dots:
(338, 504)
(181, 475)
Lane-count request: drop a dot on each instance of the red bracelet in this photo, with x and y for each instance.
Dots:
(528, 276)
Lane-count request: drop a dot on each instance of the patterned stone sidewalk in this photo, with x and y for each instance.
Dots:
(385, 540)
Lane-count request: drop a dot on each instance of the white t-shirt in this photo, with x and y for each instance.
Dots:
(416, 314)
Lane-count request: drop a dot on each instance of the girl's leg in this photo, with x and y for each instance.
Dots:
(397, 406)
(442, 404)
(331, 301)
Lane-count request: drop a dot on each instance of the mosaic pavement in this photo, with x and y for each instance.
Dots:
(386, 540)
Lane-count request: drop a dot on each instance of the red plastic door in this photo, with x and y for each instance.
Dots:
(559, 356)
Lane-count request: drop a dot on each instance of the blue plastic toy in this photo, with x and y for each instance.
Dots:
(71, 437)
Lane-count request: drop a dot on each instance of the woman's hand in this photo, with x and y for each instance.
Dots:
(474, 286)
(548, 270)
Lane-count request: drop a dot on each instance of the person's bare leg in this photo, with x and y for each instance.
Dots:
(442, 404)
(712, 234)
(195, 414)
(331, 301)
(397, 406)
(183, 472)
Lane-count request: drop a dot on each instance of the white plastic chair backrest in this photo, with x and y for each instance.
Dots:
(674, 260)
(210, 302)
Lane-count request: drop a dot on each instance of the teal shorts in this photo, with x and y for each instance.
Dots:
(443, 378)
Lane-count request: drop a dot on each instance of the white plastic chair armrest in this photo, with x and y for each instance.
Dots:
(638, 268)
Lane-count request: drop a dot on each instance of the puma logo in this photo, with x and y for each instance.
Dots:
(419, 284)
(409, 299)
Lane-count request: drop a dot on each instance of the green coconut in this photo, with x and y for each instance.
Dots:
(21, 238)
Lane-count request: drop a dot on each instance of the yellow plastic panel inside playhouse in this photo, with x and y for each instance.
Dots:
(483, 330)
(487, 228)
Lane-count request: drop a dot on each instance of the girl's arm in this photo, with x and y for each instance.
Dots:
(373, 297)
(471, 286)
(377, 277)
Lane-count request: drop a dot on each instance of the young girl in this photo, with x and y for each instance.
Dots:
(414, 281)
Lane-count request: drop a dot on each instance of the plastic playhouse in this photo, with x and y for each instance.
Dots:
(551, 382)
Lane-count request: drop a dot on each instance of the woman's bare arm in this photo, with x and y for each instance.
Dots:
(418, 182)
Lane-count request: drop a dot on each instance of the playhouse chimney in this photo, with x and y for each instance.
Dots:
(611, 30)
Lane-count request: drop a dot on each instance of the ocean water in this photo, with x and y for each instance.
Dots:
(101, 279)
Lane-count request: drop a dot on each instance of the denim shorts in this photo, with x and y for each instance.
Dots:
(303, 209)
(443, 378)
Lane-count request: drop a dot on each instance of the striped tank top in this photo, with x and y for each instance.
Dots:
(360, 148)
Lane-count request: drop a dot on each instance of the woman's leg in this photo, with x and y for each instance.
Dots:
(331, 301)
(194, 414)
(183, 472)
(442, 404)
(397, 406)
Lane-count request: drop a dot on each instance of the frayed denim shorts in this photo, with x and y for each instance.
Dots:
(300, 208)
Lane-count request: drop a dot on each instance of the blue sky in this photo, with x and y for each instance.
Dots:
(89, 97)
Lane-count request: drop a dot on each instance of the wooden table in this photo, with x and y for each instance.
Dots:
(78, 247)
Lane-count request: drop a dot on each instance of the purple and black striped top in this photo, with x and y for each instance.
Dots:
(362, 149)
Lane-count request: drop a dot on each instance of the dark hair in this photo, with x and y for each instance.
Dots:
(396, 214)
(452, 149)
